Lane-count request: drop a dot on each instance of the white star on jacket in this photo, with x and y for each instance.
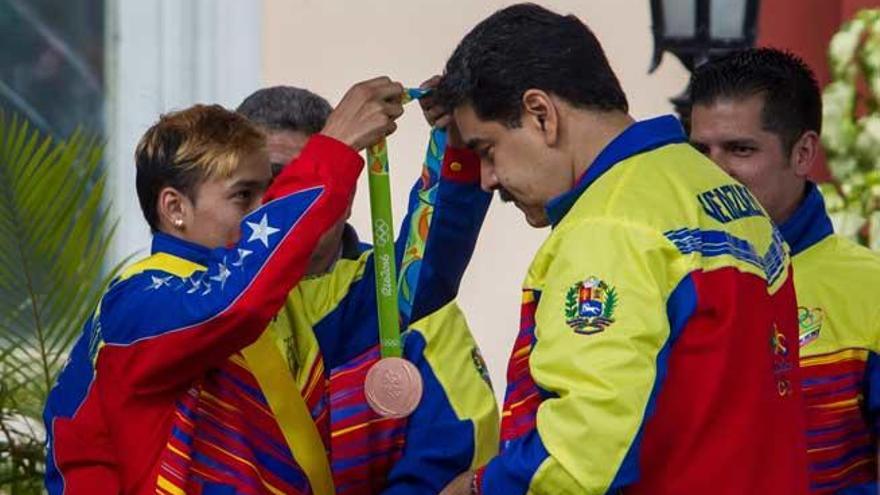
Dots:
(222, 274)
(158, 282)
(262, 230)
(242, 254)
(196, 284)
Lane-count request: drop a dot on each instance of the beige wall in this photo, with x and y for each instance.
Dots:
(326, 45)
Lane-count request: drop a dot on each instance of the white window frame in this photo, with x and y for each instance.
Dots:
(163, 55)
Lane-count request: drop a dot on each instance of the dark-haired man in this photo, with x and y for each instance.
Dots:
(657, 351)
(758, 115)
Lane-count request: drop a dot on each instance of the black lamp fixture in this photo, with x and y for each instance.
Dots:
(696, 31)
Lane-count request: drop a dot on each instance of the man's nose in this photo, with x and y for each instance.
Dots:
(488, 180)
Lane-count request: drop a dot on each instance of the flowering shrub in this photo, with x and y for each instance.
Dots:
(851, 129)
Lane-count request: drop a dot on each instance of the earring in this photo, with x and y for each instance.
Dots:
(178, 222)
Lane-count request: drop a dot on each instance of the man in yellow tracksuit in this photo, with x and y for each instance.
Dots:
(657, 350)
(758, 115)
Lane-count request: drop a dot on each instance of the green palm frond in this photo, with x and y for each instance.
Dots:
(54, 232)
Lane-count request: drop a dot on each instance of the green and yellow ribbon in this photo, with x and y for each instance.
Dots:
(383, 242)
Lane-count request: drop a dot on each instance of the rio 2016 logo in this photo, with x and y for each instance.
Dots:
(385, 275)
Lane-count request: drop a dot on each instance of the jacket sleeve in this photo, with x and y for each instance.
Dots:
(455, 427)
(872, 377)
(605, 318)
(165, 326)
(444, 216)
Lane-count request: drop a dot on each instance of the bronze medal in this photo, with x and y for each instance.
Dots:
(393, 387)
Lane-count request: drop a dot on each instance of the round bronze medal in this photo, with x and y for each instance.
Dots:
(393, 387)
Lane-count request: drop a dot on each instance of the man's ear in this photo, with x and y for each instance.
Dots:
(804, 153)
(174, 208)
(540, 113)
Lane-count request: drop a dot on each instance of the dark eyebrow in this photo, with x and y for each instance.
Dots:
(250, 184)
(698, 144)
(475, 143)
(741, 142)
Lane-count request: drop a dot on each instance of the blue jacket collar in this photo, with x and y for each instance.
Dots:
(164, 243)
(809, 224)
(638, 138)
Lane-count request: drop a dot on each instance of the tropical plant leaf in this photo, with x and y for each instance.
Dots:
(54, 232)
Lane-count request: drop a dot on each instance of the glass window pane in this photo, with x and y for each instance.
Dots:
(680, 17)
(727, 18)
(54, 72)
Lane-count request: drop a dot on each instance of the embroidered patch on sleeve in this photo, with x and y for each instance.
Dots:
(480, 364)
(590, 306)
(810, 323)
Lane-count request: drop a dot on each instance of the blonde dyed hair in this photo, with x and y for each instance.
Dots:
(187, 147)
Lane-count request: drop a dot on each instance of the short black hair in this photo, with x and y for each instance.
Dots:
(792, 99)
(286, 108)
(522, 47)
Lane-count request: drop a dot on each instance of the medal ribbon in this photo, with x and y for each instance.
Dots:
(383, 242)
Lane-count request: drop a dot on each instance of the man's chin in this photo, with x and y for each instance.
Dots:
(538, 223)
(535, 217)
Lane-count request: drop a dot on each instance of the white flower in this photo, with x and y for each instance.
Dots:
(833, 200)
(869, 56)
(842, 166)
(838, 128)
(867, 143)
(842, 49)
(874, 231)
(847, 223)
(853, 144)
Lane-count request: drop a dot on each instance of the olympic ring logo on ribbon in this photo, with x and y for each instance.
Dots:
(382, 231)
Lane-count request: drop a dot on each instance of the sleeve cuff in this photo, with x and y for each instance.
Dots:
(461, 165)
(323, 161)
(477, 488)
(339, 156)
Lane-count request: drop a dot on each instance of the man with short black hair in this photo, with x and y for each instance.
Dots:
(758, 115)
(657, 346)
